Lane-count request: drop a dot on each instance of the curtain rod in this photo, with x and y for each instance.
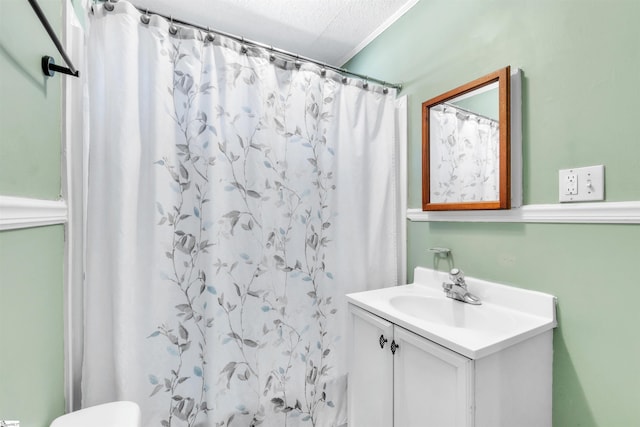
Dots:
(464, 110)
(240, 39)
(48, 65)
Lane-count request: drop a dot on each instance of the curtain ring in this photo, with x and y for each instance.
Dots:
(344, 80)
(172, 28)
(272, 57)
(145, 19)
(365, 85)
(323, 70)
(385, 89)
(108, 5)
(210, 37)
(297, 63)
(243, 48)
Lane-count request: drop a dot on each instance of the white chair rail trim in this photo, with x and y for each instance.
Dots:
(581, 213)
(20, 212)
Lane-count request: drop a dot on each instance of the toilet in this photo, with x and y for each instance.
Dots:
(113, 414)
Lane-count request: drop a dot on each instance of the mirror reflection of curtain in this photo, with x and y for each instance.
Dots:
(464, 156)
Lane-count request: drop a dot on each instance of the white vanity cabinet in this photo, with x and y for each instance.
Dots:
(432, 385)
(420, 384)
(370, 370)
(424, 384)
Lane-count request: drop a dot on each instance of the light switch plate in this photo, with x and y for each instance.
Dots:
(581, 184)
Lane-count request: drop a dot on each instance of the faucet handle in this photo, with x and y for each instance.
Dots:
(456, 275)
(447, 286)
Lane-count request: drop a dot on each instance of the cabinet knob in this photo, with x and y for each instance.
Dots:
(382, 341)
(394, 347)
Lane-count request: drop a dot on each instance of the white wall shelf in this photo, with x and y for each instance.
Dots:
(20, 212)
(582, 213)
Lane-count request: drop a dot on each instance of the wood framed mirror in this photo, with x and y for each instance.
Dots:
(466, 153)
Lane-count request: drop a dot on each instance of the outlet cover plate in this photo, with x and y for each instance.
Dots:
(581, 184)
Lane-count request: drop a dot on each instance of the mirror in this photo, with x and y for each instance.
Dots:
(466, 161)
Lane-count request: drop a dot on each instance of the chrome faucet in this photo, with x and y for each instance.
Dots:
(458, 289)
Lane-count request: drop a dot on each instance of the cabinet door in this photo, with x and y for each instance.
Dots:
(370, 370)
(433, 385)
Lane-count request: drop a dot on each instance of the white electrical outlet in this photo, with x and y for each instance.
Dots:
(571, 184)
(581, 184)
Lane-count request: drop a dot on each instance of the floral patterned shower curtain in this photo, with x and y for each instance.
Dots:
(233, 200)
(464, 156)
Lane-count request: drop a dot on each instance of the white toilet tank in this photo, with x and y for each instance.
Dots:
(114, 414)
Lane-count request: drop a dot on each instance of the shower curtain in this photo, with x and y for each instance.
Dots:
(234, 198)
(464, 156)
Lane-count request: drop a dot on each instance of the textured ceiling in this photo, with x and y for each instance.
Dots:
(330, 31)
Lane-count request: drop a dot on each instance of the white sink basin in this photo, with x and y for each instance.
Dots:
(441, 311)
(508, 315)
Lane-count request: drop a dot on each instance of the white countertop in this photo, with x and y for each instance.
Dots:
(507, 315)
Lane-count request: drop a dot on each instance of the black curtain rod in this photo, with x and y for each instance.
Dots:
(48, 65)
(264, 46)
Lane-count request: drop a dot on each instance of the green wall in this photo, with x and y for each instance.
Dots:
(485, 103)
(581, 100)
(31, 325)
(30, 108)
(31, 260)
